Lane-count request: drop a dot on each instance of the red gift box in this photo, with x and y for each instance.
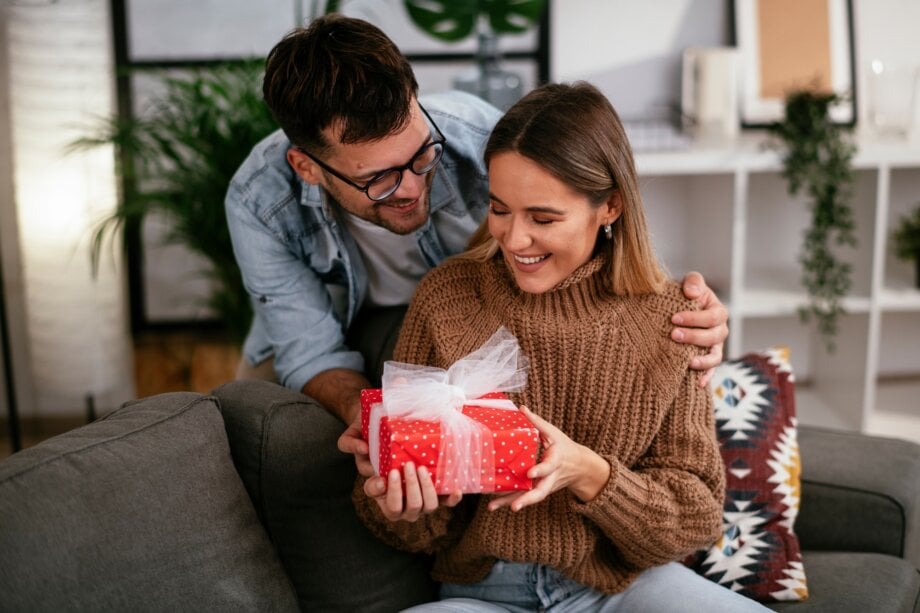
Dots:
(511, 449)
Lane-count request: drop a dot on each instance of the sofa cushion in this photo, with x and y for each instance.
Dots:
(758, 554)
(849, 582)
(142, 510)
(284, 445)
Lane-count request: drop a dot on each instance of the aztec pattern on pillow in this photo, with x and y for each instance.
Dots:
(758, 553)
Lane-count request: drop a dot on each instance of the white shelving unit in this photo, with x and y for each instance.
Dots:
(725, 211)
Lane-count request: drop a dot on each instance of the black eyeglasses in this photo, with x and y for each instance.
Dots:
(384, 183)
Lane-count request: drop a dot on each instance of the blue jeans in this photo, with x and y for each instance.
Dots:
(524, 588)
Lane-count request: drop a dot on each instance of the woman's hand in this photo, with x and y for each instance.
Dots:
(420, 497)
(565, 464)
(707, 328)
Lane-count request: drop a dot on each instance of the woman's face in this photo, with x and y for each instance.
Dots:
(544, 228)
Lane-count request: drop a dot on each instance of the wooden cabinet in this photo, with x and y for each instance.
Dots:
(725, 211)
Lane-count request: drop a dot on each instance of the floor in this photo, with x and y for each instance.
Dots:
(163, 362)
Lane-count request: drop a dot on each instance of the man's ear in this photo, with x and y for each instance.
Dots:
(306, 169)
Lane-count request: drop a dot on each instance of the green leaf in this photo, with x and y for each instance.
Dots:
(512, 16)
(447, 20)
(455, 20)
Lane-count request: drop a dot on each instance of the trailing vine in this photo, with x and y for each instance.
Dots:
(817, 161)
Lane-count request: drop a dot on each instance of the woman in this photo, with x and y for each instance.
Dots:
(630, 479)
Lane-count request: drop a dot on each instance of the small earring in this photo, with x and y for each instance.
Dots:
(608, 231)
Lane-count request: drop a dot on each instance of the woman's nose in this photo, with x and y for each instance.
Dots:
(517, 238)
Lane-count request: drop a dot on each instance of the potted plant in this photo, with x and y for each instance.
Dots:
(455, 20)
(178, 160)
(906, 240)
(817, 160)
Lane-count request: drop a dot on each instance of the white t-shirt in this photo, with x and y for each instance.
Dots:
(393, 262)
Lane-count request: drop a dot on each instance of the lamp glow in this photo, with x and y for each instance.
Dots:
(61, 77)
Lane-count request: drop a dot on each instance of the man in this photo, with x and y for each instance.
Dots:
(363, 190)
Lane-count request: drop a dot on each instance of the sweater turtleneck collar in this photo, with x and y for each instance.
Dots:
(582, 292)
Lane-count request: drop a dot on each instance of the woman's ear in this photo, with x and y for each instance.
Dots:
(306, 169)
(613, 207)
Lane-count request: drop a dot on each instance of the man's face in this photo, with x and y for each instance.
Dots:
(404, 211)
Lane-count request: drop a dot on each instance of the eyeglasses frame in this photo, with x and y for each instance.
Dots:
(398, 169)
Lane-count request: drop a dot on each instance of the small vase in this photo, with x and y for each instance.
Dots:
(488, 80)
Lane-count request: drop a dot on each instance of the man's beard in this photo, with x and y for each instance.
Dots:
(378, 216)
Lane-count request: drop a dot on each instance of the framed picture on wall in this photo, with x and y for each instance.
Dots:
(788, 45)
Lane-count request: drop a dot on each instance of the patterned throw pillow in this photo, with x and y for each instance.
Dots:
(758, 553)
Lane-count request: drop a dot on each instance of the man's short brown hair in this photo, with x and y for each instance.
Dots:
(338, 69)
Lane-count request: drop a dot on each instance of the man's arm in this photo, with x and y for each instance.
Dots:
(339, 390)
(295, 313)
(707, 328)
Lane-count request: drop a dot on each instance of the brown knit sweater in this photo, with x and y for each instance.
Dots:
(603, 370)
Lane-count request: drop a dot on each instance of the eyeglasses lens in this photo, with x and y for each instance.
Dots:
(387, 183)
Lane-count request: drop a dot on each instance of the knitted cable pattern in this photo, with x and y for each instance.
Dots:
(604, 370)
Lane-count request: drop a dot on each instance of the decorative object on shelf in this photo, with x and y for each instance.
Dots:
(181, 158)
(892, 99)
(452, 21)
(709, 92)
(787, 45)
(817, 161)
(906, 240)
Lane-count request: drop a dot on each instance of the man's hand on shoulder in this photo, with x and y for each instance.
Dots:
(707, 328)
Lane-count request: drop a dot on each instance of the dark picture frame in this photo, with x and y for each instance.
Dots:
(787, 45)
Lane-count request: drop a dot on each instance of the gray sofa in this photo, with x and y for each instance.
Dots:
(239, 501)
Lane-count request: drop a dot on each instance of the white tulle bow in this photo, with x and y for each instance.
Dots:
(434, 394)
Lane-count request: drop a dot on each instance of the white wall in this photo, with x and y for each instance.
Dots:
(631, 49)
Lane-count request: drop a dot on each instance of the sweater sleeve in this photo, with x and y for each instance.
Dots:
(669, 503)
(429, 534)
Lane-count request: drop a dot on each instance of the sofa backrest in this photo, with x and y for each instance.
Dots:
(142, 511)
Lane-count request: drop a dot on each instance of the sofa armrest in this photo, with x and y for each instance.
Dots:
(859, 493)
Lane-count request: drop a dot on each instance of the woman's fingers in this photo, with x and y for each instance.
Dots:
(409, 502)
(392, 502)
(504, 500)
(429, 494)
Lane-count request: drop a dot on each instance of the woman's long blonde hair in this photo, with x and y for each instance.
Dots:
(573, 132)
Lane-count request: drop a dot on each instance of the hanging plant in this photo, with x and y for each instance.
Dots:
(906, 240)
(817, 162)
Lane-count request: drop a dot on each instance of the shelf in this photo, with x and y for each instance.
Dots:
(896, 412)
(751, 151)
(779, 302)
(724, 209)
(902, 299)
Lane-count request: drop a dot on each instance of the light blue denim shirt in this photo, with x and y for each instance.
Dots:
(301, 266)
